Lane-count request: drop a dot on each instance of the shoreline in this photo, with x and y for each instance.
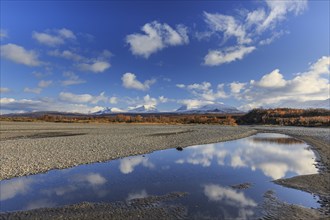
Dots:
(32, 151)
(181, 136)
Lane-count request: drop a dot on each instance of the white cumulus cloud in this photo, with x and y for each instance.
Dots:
(95, 67)
(272, 80)
(194, 103)
(204, 91)
(82, 98)
(19, 54)
(156, 37)
(236, 87)
(67, 54)
(130, 81)
(272, 88)
(53, 38)
(9, 105)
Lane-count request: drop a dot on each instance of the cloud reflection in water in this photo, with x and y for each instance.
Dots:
(274, 158)
(128, 164)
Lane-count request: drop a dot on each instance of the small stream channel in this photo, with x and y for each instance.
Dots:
(209, 173)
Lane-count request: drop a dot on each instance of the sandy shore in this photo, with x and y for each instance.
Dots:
(28, 148)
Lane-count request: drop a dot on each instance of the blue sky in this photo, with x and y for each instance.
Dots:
(84, 55)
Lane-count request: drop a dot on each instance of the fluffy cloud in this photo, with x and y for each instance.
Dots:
(71, 79)
(162, 99)
(247, 28)
(272, 88)
(228, 25)
(236, 87)
(53, 37)
(147, 101)
(194, 103)
(46, 104)
(278, 11)
(218, 57)
(66, 54)
(272, 80)
(204, 91)
(130, 81)
(20, 55)
(82, 98)
(95, 67)
(4, 90)
(156, 37)
(44, 83)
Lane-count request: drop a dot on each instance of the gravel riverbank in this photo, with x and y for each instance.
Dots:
(35, 147)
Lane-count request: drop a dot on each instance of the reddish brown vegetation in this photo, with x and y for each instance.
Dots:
(287, 117)
(126, 118)
(280, 116)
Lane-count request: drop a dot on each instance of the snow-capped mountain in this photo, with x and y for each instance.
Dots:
(108, 110)
(144, 109)
(210, 108)
(305, 105)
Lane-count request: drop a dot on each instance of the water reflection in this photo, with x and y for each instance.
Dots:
(20, 186)
(93, 179)
(204, 154)
(205, 172)
(128, 164)
(275, 160)
(227, 196)
(278, 140)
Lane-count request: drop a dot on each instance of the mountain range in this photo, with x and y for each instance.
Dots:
(210, 108)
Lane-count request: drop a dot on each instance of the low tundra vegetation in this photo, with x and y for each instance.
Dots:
(278, 116)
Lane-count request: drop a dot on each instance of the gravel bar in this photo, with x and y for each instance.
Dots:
(35, 147)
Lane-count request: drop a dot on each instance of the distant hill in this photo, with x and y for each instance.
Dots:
(210, 108)
(287, 117)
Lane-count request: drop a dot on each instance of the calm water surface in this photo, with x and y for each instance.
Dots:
(206, 172)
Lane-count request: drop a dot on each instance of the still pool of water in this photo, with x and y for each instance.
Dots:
(206, 172)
